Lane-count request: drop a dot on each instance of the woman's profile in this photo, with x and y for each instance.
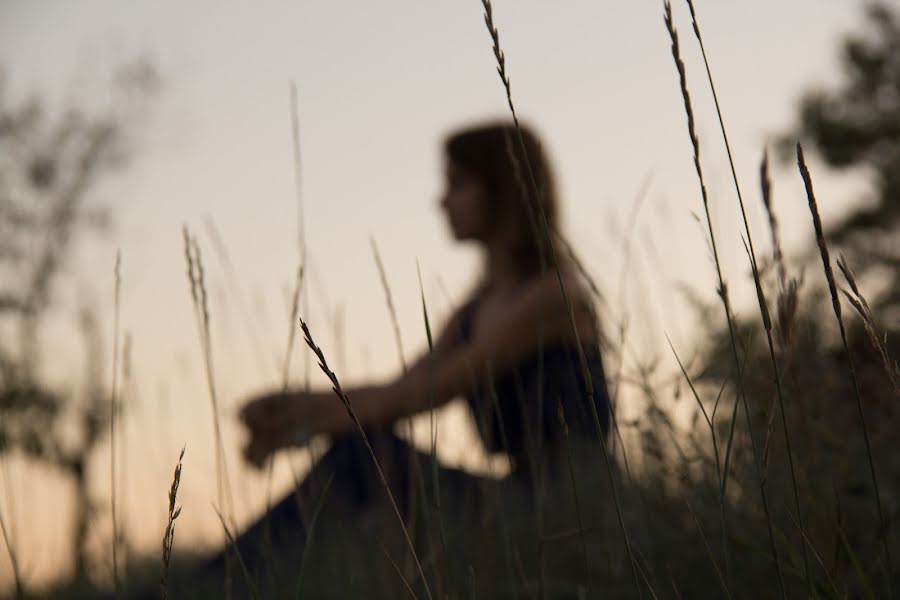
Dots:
(510, 350)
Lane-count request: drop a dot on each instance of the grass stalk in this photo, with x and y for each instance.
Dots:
(416, 484)
(314, 520)
(239, 296)
(726, 304)
(13, 558)
(836, 306)
(501, 71)
(199, 296)
(169, 536)
(196, 279)
(285, 381)
(581, 531)
(718, 466)
(763, 304)
(113, 411)
(251, 587)
(859, 303)
(709, 553)
(435, 470)
(339, 392)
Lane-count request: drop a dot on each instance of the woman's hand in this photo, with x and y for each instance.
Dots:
(282, 419)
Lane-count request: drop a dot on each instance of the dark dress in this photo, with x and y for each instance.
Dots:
(517, 414)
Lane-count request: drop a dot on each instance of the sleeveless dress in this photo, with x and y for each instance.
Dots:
(519, 412)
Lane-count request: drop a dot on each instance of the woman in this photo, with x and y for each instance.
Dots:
(511, 351)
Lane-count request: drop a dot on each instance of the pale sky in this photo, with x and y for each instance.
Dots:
(380, 84)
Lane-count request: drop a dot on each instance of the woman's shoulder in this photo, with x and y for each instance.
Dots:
(560, 285)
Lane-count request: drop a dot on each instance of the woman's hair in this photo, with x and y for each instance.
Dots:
(493, 154)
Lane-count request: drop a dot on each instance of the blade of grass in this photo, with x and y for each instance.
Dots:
(339, 392)
(251, 586)
(568, 450)
(13, 558)
(761, 298)
(709, 553)
(501, 71)
(859, 303)
(435, 471)
(169, 536)
(836, 306)
(399, 573)
(309, 535)
(712, 430)
(416, 484)
(723, 295)
(196, 280)
(117, 273)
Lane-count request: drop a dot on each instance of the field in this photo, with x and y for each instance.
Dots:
(765, 465)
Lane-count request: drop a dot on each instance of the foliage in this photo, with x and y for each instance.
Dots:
(858, 125)
(50, 165)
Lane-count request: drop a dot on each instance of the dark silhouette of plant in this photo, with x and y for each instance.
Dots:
(49, 167)
(857, 124)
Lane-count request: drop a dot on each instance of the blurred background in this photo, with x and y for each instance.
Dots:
(122, 122)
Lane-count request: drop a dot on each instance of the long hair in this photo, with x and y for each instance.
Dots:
(493, 153)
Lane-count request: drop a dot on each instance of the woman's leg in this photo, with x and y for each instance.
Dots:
(272, 546)
(352, 483)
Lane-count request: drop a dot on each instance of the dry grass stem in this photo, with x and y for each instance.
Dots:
(723, 295)
(313, 522)
(501, 71)
(169, 536)
(248, 579)
(709, 553)
(336, 387)
(292, 329)
(13, 557)
(879, 342)
(113, 412)
(836, 305)
(435, 470)
(561, 415)
(389, 299)
(196, 280)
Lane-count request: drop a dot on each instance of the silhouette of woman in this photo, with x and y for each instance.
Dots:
(510, 350)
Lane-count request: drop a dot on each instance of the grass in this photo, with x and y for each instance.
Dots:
(783, 516)
(117, 272)
(536, 194)
(336, 386)
(723, 295)
(168, 542)
(836, 305)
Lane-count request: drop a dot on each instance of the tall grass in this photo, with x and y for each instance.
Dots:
(168, 541)
(836, 306)
(113, 410)
(501, 71)
(13, 558)
(338, 390)
(687, 488)
(726, 303)
(760, 294)
(199, 296)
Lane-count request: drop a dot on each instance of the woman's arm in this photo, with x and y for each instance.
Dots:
(282, 419)
(538, 315)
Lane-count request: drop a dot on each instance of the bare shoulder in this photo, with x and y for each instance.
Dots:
(544, 300)
(547, 287)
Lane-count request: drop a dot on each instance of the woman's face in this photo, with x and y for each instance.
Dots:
(464, 201)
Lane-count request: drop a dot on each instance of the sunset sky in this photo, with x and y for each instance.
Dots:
(379, 86)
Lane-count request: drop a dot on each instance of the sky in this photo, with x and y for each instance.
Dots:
(379, 86)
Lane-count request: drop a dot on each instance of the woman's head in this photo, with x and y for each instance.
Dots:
(489, 195)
